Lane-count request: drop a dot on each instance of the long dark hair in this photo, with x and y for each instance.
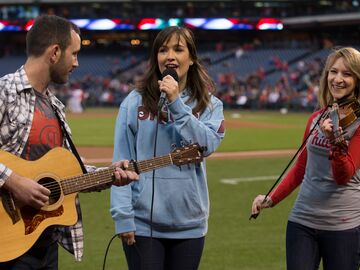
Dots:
(198, 79)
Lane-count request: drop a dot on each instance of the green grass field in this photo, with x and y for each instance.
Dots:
(232, 242)
(97, 129)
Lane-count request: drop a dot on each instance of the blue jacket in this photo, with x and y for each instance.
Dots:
(181, 200)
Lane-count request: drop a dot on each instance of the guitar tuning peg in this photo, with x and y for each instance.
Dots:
(185, 143)
(173, 147)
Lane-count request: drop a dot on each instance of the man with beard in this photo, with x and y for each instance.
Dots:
(32, 122)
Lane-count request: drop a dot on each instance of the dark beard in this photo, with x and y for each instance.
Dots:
(56, 72)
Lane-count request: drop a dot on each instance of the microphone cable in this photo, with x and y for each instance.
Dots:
(153, 180)
(107, 250)
(171, 72)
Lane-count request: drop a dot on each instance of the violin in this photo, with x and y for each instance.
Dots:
(348, 110)
(343, 113)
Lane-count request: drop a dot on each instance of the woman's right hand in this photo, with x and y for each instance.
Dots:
(128, 238)
(259, 203)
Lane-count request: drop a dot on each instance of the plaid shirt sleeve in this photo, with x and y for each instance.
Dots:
(5, 172)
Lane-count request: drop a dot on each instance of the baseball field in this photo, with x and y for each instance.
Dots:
(256, 149)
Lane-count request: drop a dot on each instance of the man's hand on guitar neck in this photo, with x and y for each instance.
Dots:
(27, 191)
(122, 176)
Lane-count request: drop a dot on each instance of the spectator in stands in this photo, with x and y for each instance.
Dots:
(324, 224)
(32, 122)
(163, 219)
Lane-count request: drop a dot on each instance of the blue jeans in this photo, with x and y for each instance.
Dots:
(305, 247)
(164, 254)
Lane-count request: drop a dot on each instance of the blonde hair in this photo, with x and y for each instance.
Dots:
(352, 59)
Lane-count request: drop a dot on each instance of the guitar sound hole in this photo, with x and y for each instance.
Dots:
(54, 188)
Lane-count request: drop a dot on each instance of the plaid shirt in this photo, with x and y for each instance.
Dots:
(17, 103)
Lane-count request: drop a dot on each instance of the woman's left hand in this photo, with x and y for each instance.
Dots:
(326, 127)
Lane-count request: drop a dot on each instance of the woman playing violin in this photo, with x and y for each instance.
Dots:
(324, 223)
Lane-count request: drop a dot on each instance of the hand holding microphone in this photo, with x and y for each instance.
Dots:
(168, 86)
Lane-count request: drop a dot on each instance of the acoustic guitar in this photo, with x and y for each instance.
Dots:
(60, 172)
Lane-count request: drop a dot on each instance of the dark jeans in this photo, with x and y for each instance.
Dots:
(164, 254)
(45, 258)
(305, 247)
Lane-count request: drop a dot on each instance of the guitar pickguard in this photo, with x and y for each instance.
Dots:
(32, 217)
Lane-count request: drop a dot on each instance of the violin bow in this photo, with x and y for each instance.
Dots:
(254, 216)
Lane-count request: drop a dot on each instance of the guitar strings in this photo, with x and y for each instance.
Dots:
(97, 177)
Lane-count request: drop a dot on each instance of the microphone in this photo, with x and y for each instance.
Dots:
(172, 73)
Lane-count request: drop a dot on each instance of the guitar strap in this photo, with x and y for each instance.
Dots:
(69, 140)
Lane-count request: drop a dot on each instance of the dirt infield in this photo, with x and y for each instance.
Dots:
(229, 122)
(96, 155)
(93, 155)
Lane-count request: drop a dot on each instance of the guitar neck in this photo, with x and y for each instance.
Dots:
(101, 177)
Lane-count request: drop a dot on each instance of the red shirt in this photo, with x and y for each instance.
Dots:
(45, 132)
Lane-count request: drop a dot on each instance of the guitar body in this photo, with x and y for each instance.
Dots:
(19, 233)
(60, 172)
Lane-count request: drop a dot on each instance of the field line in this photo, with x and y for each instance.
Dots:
(235, 181)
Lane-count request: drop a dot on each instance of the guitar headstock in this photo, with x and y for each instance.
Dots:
(192, 153)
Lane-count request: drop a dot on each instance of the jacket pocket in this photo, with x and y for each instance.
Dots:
(177, 202)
